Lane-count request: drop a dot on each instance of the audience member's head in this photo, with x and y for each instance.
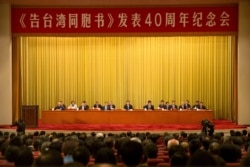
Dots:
(69, 146)
(97, 144)
(56, 145)
(16, 141)
(105, 155)
(24, 157)
(194, 145)
(174, 149)
(237, 140)
(205, 142)
(2, 140)
(109, 142)
(185, 146)
(131, 153)
(214, 148)
(45, 147)
(179, 159)
(151, 150)
(12, 153)
(172, 142)
(229, 152)
(154, 137)
(81, 155)
(201, 158)
(50, 158)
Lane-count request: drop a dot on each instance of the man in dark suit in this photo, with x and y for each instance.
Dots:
(196, 105)
(106, 106)
(60, 106)
(83, 106)
(187, 105)
(97, 105)
(182, 106)
(162, 105)
(173, 106)
(128, 106)
(149, 106)
(111, 105)
(168, 107)
(201, 106)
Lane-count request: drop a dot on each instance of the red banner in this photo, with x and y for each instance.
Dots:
(125, 20)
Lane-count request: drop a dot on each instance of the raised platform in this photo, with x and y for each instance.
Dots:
(126, 117)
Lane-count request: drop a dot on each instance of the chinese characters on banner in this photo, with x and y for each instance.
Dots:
(125, 20)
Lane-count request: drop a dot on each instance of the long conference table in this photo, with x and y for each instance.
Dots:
(138, 116)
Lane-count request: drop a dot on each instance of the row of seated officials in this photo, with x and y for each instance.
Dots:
(128, 106)
(124, 149)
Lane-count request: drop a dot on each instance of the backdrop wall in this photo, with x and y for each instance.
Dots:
(128, 67)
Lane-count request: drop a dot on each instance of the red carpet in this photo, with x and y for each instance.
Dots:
(219, 125)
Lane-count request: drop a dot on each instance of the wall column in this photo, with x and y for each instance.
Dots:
(243, 63)
(5, 65)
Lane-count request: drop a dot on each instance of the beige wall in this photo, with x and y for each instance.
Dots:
(244, 63)
(5, 66)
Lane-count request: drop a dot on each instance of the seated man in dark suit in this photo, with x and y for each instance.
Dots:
(60, 106)
(106, 106)
(173, 106)
(149, 106)
(162, 105)
(201, 106)
(168, 107)
(83, 106)
(128, 106)
(187, 105)
(182, 106)
(97, 105)
(196, 105)
(111, 105)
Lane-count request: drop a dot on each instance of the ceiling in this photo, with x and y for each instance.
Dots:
(104, 3)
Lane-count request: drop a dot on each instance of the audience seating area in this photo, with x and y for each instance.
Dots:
(163, 142)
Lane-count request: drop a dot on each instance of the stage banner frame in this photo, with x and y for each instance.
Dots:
(185, 19)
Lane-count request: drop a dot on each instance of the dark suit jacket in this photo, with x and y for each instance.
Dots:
(196, 106)
(187, 106)
(202, 107)
(168, 107)
(128, 107)
(106, 107)
(182, 107)
(162, 106)
(147, 107)
(171, 107)
(62, 107)
(112, 106)
(86, 107)
(97, 106)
